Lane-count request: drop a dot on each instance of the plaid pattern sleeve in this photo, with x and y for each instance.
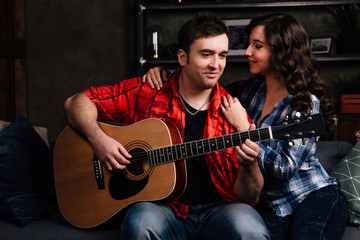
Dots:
(290, 172)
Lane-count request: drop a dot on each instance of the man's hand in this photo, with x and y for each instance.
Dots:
(155, 77)
(247, 152)
(111, 153)
(249, 182)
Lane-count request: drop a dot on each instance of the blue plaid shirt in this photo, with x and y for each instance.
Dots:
(291, 173)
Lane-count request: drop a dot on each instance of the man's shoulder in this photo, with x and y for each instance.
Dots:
(222, 89)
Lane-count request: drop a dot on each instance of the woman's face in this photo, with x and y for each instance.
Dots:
(259, 52)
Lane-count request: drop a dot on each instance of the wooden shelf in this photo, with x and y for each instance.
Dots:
(148, 7)
(223, 5)
(347, 125)
(243, 59)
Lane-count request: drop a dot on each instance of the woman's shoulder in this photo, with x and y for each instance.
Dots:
(238, 87)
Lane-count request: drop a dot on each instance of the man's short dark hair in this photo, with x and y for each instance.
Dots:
(203, 25)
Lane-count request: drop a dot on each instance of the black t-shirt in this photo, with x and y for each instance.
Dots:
(200, 188)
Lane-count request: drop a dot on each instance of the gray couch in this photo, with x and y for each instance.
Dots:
(55, 227)
(330, 154)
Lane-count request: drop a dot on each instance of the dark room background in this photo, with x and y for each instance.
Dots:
(72, 45)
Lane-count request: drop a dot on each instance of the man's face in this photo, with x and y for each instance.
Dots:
(204, 64)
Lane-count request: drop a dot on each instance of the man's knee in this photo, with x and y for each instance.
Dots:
(247, 222)
(137, 222)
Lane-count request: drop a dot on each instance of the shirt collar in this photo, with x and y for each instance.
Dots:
(215, 101)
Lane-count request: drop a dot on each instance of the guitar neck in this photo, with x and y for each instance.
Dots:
(199, 147)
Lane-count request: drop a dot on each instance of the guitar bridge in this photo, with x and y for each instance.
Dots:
(99, 176)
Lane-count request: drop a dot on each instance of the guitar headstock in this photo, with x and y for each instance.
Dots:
(303, 127)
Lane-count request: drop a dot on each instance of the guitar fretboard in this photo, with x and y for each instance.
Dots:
(199, 147)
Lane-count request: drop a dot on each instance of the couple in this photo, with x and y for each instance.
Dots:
(223, 186)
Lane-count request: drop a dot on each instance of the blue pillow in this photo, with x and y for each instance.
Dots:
(26, 180)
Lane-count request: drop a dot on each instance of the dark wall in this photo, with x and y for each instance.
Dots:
(72, 45)
(76, 44)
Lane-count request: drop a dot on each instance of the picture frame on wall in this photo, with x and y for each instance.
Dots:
(237, 36)
(320, 45)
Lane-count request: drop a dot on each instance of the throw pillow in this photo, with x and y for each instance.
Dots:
(40, 130)
(26, 181)
(347, 174)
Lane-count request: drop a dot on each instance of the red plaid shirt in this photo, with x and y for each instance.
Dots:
(130, 101)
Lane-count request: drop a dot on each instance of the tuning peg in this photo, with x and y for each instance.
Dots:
(286, 117)
(298, 114)
(291, 143)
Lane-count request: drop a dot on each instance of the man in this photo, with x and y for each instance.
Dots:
(220, 185)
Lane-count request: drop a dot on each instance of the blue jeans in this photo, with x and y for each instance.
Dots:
(321, 216)
(220, 220)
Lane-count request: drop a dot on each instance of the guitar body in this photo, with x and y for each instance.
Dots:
(89, 195)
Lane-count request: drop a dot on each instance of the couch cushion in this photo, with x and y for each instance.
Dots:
(330, 153)
(347, 174)
(26, 182)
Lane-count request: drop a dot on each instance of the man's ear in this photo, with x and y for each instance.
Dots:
(182, 57)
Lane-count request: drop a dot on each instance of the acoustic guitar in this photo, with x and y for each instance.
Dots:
(89, 195)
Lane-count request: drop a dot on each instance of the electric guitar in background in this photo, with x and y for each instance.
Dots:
(89, 195)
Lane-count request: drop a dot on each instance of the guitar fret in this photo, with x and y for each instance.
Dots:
(176, 153)
(156, 154)
(212, 144)
(154, 157)
(243, 136)
(159, 157)
(166, 155)
(200, 147)
(149, 157)
(188, 149)
(231, 139)
(235, 138)
(207, 145)
(221, 142)
(171, 153)
(193, 148)
(227, 141)
(183, 151)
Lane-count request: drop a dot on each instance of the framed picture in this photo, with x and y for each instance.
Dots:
(320, 45)
(237, 36)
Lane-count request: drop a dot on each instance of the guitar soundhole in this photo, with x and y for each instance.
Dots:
(120, 187)
(135, 177)
(139, 167)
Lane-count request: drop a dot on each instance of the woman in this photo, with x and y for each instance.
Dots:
(299, 200)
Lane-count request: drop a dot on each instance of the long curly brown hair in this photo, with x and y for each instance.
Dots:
(292, 59)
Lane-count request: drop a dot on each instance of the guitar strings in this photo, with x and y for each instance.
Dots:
(143, 156)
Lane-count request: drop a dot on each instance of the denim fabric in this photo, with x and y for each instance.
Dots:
(321, 216)
(221, 220)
